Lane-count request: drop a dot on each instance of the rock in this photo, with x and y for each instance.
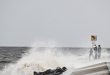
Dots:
(56, 71)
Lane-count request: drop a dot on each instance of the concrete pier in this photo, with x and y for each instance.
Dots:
(96, 69)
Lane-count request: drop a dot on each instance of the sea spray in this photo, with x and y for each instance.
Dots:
(49, 57)
(37, 59)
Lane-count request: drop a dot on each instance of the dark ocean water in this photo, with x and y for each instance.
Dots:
(12, 54)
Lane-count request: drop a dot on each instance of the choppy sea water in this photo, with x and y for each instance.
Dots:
(40, 59)
(12, 54)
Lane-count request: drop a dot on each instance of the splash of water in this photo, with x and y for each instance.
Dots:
(37, 59)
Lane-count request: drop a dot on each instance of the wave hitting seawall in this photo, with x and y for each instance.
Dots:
(37, 59)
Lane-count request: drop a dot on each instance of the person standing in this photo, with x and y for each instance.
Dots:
(99, 51)
(96, 52)
(91, 53)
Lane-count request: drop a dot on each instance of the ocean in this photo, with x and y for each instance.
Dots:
(57, 55)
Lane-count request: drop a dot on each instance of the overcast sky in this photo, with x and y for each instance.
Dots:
(69, 22)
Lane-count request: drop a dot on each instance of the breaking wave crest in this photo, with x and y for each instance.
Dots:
(40, 59)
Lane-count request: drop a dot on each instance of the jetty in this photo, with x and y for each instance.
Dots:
(95, 69)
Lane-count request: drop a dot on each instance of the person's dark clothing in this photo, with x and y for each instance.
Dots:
(96, 52)
(99, 51)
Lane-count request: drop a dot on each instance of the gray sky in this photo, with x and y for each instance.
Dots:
(69, 22)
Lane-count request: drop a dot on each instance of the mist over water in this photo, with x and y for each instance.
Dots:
(40, 59)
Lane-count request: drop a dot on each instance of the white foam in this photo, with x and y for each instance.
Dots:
(49, 58)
